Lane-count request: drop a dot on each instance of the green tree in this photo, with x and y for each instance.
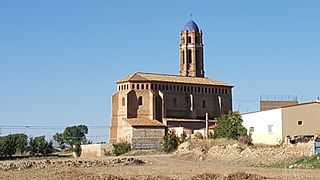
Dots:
(74, 136)
(39, 145)
(170, 142)
(230, 126)
(12, 144)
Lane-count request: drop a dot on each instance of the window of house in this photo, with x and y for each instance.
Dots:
(202, 89)
(167, 87)
(300, 123)
(198, 89)
(123, 101)
(175, 102)
(174, 88)
(205, 90)
(270, 128)
(147, 86)
(251, 129)
(215, 91)
(219, 91)
(163, 87)
(189, 57)
(170, 87)
(226, 91)
(185, 88)
(119, 88)
(191, 88)
(140, 100)
(203, 104)
(156, 87)
(188, 89)
(189, 39)
(152, 86)
(138, 87)
(132, 86)
(142, 86)
(178, 87)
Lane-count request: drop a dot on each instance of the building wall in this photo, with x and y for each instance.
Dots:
(147, 137)
(309, 114)
(261, 122)
(268, 105)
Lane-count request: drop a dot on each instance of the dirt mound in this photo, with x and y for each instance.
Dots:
(206, 176)
(243, 175)
(23, 165)
(238, 153)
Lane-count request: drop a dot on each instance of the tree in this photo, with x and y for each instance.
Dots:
(230, 126)
(170, 142)
(39, 145)
(74, 136)
(12, 144)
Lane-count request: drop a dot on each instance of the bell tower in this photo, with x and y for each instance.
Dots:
(191, 51)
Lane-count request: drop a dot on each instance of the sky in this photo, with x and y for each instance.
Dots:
(59, 60)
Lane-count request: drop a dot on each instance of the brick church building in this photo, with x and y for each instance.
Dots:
(146, 104)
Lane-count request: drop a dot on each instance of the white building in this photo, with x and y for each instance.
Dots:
(273, 126)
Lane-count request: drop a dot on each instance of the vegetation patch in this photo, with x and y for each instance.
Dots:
(121, 148)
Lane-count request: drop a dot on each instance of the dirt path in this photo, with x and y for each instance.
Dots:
(159, 166)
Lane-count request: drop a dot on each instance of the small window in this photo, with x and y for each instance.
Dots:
(174, 88)
(300, 123)
(205, 90)
(155, 87)
(203, 104)
(178, 87)
(167, 87)
(251, 129)
(132, 86)
(138, 87)
(188, 89)
(170, 87)
(147, 86)
(175, 102)
(123, 101)
(185, 88)
(191, 88)
(142, 86)
(189, 39)
(152, 86)
(163, 87)
(270, 128)
(140, 100)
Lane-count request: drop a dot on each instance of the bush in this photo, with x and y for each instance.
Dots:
(183, 137)
(170, 142)
(121, 148)
(39, 145)
(230, 126)
(198, 135)
(12, 144)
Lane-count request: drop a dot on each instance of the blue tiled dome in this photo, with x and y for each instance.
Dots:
(191, 26)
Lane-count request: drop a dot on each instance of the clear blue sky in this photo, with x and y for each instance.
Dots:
(59, 60)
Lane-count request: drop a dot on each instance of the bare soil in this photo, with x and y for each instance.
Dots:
(160, 166)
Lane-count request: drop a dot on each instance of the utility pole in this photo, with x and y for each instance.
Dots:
(206, 133)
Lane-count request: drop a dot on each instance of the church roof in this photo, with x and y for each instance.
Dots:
(144, 122)
(138, 77)
(191, 26)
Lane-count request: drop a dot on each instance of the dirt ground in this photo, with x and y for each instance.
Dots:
(162, 166)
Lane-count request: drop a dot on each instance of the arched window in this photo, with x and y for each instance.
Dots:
(189, 58)
(138, 86)
(140, 100)
(147, 86)
(189, 39)
(142, 86)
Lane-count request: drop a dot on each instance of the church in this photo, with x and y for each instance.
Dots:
(146, 105)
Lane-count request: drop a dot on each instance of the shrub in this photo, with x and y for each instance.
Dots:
(170, 142)
(12, 144)
(230, 126)
(198, 135)
(39, 145)
(183, 137)
(121, 148)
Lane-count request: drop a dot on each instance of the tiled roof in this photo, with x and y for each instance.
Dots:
(188, 120)
(138, 77)
(144, 122)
